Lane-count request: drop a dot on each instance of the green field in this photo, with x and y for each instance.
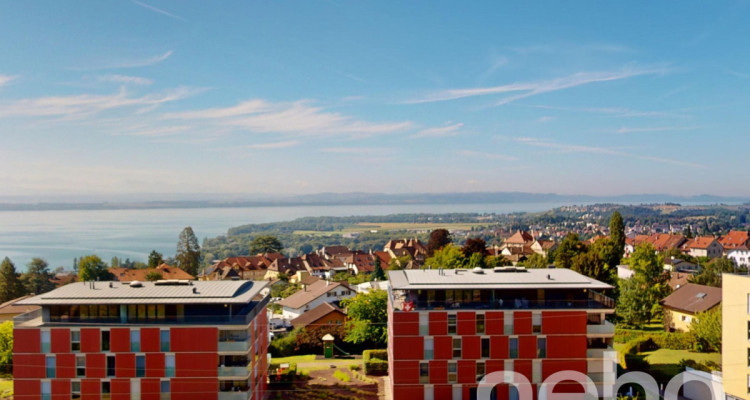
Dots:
(391, 226)
(6, 389)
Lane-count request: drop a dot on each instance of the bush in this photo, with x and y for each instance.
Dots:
(375, 354)
(706, 366)
(674, 340)
(287, 376)
(284, 346)
(376, 367)
(342, 376)
(355, 367)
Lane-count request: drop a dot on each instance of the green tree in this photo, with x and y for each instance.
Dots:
(476, 260)
(593, 266)
(10, 282)
(617, 237)
(36, 280)
(377, 273)
(266, 244)
(439, 238)
(448, 257)
(155, 259)
(706, 327)
(92, 268)
(115, 262)
(368, 314)
(399, 262)
(710, 273)
(496, 261)
(6, 346)
(632, 307)
(153, 276)
(535, 261)
(650, 276)
(188, 252)
(570, 247)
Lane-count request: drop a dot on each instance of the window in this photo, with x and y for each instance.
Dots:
(429, 348)
(75, 390)
(45, 342)
(508, 365)
(513, 344)
(135, 389)
(748, 358)
(485, 347)
(424, 373)
(456, 347)
(80, 366)
(169, 365)
(140, 366)
(46, 390)
(536, 371)
(164, 390)
(536, 322)
(135, 340)
(451, 324)
(480, 324)
(106, 390)
(75, 340)
(49, 364)
(513, 393)
(541, 347)
(110, 365)
(480, 370)
(458, 393)
(424, 324)
(508, 322)
(452, 372)
(105, 340)
(164, 340)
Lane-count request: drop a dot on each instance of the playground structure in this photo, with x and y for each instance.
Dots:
(329, 347)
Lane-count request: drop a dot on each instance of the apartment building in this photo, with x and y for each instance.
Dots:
(144, 341)
(735, 336)
(449, 328)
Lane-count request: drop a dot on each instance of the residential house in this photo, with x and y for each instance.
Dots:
(314, 294)
(407, 247)
(703, 246)
(663, 241)
(677, 264)
(359, 262)
(681, 307)
(10, 309)
(740, 256)
(240, 268)
(286, 266)
(734, 240)
(141, 274)
(322, 315)
(543, 247)
(366, 287)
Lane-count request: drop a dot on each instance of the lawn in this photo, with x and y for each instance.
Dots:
(294, 359)
(666, 356)
(6, 389)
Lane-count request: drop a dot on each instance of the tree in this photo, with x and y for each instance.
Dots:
(591, 265)
(710, 273)
(6, 346)
(570, 247)
(368, 314)
(188, 252)
(92, 268)
(650, 277)
(439, 238)
(155, 259)
(448, 257)
(535, 261)
(115, 262)
(617, 237)
(10, 282)
(632, 307)
(706, 327)
(687, 232)
(377, 273)
(476, 260)
(266, 244)
(399, 262)
(37, 277)
(496, 261)
(153, 276)
(473, 246)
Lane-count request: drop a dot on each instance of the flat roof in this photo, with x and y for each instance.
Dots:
(206, 292)
(499, 278)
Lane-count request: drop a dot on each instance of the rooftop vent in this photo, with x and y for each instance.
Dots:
(172, 282)
(477, 270)
(701, 295)
(136, 284)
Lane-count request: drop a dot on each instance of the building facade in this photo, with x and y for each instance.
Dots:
(735, 336)
(449, 328)
(144, 340)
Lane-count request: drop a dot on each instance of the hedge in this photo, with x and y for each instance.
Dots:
(664, 340)
(376, 367)
(285, 377)
(375, 354)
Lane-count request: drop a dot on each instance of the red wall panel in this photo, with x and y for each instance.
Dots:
(438, 323)
(65, 366)
(522, 322)
(406, 323)
(406, 372)
(60, 340)
(195, 389)
(499, 347)
(467, 371)
(493, 322)
(120, 389)
(466, 323)
(408, 348)
(119, 340)
(494, 366)
(27, 341)
(155, 365)
(90, 389)
(96, 365)
(438, 372)
(194, 339)
(443, 347)
(550, 367)
(410, 392)
(563, 322)
(28, 366)
(443, 391)
(523, 367)
(150, 389)
(527, 347)
(60, 389)
(27, 389)
(150, 340)
(566, 346)
(90, 340)
(125, 365)
(196, 364)
(471, 347)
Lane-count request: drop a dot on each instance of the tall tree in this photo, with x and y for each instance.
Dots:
(706, 327)
(439, 238)
(188, 252)
(535, 261)
(115, 262)
(92, 268)
(377, 274)
(36, 280)
(650, 277)
(10, 282)
(6, 346)
(448, 257)
(569, 248)
(368, 317)
(710, 273)
(155, 259)
(266, 244)
(474, 245)
(617, 236)
(632, 307)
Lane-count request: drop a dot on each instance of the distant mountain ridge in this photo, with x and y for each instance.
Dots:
(357, 198)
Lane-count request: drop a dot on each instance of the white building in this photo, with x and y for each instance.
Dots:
(313, 295)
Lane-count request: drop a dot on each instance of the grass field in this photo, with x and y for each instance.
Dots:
(6, 389)
(294, 359)
(391, 226)
(666, 356)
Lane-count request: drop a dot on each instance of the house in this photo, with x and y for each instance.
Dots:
(735, 240)
(360, 262)
(624, 272)
(407, 247)
(324, 314)
(240, 268)
(664, 241)
(313, 294)
(740, 255)
(519, 239)
(10, 309)
(141, 274)
(543, 247)
(632, 243)
(286, 266)
(366, 287)
(321, 267)
(677, 264)
(681, 307)
(165, 339)
(703, 246)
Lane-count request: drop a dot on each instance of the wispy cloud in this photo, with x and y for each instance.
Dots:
(124, 79)
(131, 63)
(571, 48)
(446, 130)
(738, 74)
(273, 145)
(614, 111)
(544, 119)
(4, 79)
(157, 132)
(159, 10)
(528, 89)
(298, 118)
(480, 154)
(358, 150)
(626, 129)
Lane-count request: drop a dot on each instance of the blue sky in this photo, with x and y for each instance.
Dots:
(123, 97)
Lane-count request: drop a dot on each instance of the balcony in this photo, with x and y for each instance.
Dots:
(598, 353)
(234, 395)
(605, 329)
(234, 371)
(238, 346)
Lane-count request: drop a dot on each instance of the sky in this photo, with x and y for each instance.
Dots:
(164, 97)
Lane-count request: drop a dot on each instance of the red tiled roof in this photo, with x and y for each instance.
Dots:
(700, 242)
(735, 239)
(132, 274)
(520, 237)
(314, 315)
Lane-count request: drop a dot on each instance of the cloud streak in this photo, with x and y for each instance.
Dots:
(134, 63)
(124, 79)
(159, 10)
(626, 129)
(481, 154)
(528, 89)
(273, 145)
(5, 79)
(443, 131)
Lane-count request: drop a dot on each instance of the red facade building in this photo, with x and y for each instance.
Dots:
(448, 329)
(145, 341)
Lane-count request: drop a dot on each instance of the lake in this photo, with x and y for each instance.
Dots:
(60, 236)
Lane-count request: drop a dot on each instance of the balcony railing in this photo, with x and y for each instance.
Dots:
(605, 329)
(597, 353)
(238, 371)
(234, 395)
(242, 346)
(29, 317)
